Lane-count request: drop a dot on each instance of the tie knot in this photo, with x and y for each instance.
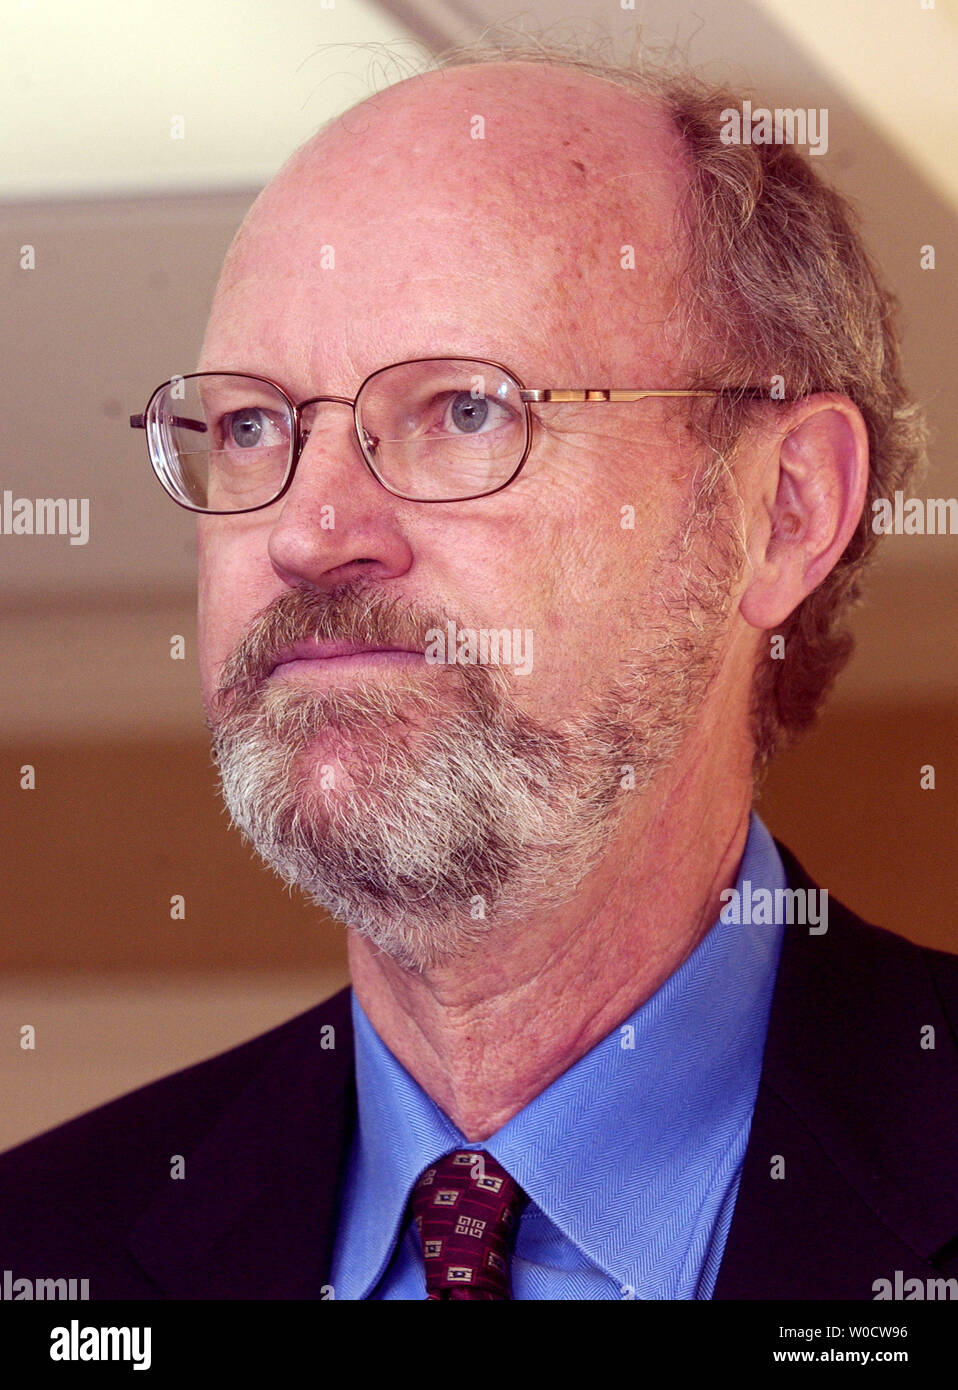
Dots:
(467, 1210)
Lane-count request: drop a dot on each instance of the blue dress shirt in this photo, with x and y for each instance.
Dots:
(631, 1159)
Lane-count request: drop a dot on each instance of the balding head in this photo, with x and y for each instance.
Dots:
(501, 210)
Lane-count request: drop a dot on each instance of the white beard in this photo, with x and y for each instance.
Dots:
(426, 813)
(448, 816)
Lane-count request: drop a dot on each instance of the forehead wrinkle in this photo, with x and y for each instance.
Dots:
(580, 317)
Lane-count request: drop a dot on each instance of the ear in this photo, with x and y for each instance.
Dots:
(812, 488)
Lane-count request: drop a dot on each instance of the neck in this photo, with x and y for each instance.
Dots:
(486, 1033)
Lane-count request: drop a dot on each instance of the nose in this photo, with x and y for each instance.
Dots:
(335, 521)
(304, 407)
(369, 443)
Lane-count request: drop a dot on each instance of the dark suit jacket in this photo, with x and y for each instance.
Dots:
(863, 1117)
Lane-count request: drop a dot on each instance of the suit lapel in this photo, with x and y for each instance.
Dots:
(856, 1111)
(255, 1215)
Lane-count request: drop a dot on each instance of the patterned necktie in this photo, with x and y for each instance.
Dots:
(467, 1213)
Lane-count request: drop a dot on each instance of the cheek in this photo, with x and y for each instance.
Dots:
(602, 584)
(573, 576)
(605, 546)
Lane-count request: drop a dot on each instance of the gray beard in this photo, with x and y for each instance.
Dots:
(440, 812)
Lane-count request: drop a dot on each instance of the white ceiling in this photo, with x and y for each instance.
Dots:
(897, 62)
(91, 90)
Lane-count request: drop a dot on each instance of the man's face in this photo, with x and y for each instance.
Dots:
(514, 248)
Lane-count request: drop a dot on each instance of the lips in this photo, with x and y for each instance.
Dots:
(332, 650)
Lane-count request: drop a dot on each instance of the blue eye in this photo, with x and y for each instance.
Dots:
(469, 412)
(253, 427)
(246, 428)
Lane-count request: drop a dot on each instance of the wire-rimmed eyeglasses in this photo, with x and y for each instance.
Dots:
(435, 429)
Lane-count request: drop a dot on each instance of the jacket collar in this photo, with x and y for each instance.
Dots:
(255, 1214)
(858, 1114)
(856, 1109)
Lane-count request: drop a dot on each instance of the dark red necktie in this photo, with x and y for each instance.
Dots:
(467, 1214)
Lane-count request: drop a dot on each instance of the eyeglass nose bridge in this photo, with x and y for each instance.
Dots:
(302, 434)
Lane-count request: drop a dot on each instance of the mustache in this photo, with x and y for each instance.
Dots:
(352, 612)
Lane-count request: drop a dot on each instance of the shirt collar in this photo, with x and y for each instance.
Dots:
(625, 1128)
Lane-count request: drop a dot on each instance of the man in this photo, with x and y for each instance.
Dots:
(490, 665)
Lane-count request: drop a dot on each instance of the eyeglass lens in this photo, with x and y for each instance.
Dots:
(435, 430)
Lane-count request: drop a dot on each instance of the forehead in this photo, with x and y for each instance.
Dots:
(509, 211)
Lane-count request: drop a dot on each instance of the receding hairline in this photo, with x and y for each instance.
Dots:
(639, 97)
(644, 143)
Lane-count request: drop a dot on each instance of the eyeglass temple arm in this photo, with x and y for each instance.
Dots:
(138, 422)
(613, 394)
